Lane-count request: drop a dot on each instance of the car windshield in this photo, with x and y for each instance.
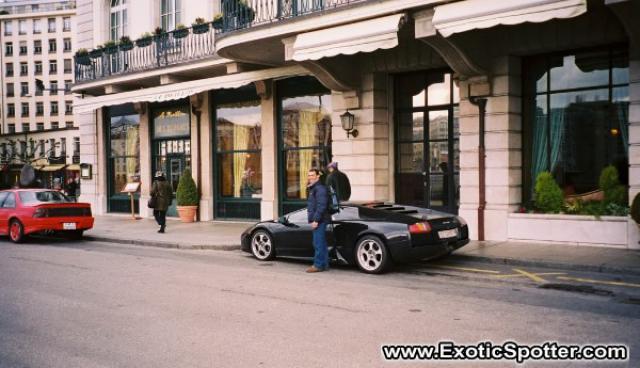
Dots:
(50, 196)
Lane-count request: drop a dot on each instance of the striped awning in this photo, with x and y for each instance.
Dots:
(52, 167)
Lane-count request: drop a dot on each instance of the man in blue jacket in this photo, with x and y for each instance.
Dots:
(318, 217)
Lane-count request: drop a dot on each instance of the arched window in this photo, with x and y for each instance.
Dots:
(118, 19)
(170, 11)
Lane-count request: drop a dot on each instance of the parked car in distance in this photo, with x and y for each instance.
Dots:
(29, 211)
(371, 236)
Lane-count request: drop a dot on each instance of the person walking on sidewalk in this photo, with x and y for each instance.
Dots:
(318, 217)
(339, 182)
(163, 193)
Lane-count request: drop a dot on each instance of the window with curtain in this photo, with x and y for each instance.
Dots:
(118, 19)
(576, 118)
(124, 150)
(305, 133)
(170, 14)
(238, 148)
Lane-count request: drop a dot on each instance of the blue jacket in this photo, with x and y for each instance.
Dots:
(317, 201)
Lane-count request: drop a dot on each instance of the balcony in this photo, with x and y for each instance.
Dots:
(145, 54)
(250, 13)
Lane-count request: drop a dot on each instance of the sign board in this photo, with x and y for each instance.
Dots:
(131, 187)
(85, 171)
(171, 122)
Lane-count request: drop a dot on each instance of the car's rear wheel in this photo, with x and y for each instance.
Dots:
(262, 246)
(16, 231)
(372, 255)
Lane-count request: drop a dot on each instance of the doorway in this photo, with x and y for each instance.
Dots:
(427, 140)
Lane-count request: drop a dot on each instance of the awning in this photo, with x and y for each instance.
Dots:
(479, 14)
(52, 167)
(73, 167)
(181, 90)
(365, 36)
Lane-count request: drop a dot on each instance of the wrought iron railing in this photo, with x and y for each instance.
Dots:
(148, 53)
(239, 14)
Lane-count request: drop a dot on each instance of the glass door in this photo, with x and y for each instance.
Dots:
(175, 166)
(427, 136)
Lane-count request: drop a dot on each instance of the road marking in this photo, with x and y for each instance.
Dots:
(537, 274)
(532, 276)
(614, 283)
(466, 269)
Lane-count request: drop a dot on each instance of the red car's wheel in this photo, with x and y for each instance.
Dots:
(16, 231)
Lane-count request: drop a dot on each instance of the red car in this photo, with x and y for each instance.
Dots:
(29, 211)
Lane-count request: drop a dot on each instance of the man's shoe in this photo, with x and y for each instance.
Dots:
(313, 269)
(161, 231)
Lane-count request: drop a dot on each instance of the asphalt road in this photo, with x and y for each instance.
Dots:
(91, 304)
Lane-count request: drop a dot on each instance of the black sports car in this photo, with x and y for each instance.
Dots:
(371, 236)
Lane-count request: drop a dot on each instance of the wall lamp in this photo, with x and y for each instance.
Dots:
(348, 119)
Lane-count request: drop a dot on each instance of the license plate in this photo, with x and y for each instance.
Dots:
(69, 225)
(452, 233)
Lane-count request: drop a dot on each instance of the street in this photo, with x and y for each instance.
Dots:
(93, 304)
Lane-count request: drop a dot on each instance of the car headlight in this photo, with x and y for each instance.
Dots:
(461, 221)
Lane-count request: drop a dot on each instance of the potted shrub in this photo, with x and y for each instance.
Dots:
(159, 33)
(110, 47)
(144, 40)
(181, 31)
(200, 26)
(187, 197)
(82, 57)
(635, 209)
(96, 53)
(218, 22)
(125, 43)
(548, 195)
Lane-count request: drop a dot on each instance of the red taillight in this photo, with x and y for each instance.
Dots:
(40, 212)
(420, 228)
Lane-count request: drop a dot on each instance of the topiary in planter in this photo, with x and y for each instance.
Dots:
(549, 198)
(635, 209)
(187, 193)
(614, 192)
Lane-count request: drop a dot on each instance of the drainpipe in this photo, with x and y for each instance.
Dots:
(482, 104)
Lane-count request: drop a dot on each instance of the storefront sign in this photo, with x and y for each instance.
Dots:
(171, 122)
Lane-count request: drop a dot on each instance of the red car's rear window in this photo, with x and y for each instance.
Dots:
(50, 196)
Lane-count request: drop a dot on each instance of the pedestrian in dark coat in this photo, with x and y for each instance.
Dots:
(318, 217)
(339, 182)
(163, 193)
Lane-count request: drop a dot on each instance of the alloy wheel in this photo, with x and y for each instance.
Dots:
(262, 246)
(370, 255)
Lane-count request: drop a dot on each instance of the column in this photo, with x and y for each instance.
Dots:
(269, 203)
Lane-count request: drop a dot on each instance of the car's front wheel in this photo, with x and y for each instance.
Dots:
(372, 255)
(262, 246)
(16, 231)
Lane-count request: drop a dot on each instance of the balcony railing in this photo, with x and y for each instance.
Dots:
(239, 14)
(154, 52)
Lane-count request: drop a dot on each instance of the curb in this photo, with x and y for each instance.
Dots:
(169, 245)
(603, 268)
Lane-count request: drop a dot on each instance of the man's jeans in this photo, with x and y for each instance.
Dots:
(321, 250)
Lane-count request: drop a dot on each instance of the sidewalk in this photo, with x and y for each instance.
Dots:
(226, 236)
(197, 235)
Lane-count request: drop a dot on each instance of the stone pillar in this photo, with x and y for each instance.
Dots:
(94, 190)
(206, 158)
(269, 203)
(365, 158)
(503, 148)
(634, 137)
(146, 176)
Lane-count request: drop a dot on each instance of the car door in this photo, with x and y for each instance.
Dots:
(4, 214)
(297, 238)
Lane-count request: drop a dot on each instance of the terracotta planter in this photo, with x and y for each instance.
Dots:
(187, 213)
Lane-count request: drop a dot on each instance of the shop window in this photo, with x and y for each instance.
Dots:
(305, 135)
(576, 118)
(123, 154)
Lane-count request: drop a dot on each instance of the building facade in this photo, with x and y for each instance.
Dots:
(458, 106)
(37, 125)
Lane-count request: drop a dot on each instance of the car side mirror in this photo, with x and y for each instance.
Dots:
(283, 220)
